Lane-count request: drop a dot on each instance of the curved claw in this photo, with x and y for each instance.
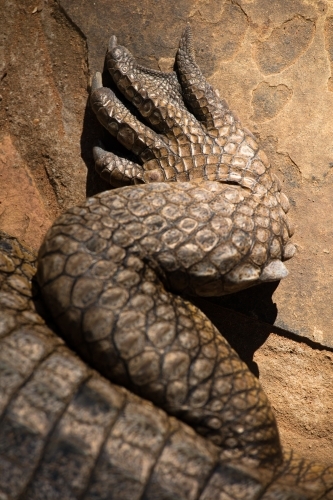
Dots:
(98, 151)
(96, 81)
(112, 42)
(274, 271)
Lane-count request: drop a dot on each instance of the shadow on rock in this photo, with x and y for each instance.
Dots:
(243, 318)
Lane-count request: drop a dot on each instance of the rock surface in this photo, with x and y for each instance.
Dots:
(22, 210)
(272, 63)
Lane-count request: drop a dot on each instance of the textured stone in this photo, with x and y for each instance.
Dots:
(22, 211)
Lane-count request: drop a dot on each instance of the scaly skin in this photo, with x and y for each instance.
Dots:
(108, 271)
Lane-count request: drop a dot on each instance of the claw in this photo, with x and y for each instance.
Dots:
(274, 271)
(98, 152)
(96, 81)
(112, 42)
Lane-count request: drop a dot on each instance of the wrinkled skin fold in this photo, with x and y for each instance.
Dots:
(198, 213)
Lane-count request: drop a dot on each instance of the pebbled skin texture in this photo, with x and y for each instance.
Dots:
(111, 271)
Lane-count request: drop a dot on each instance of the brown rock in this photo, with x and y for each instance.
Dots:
(298, 380)
(22, 211)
